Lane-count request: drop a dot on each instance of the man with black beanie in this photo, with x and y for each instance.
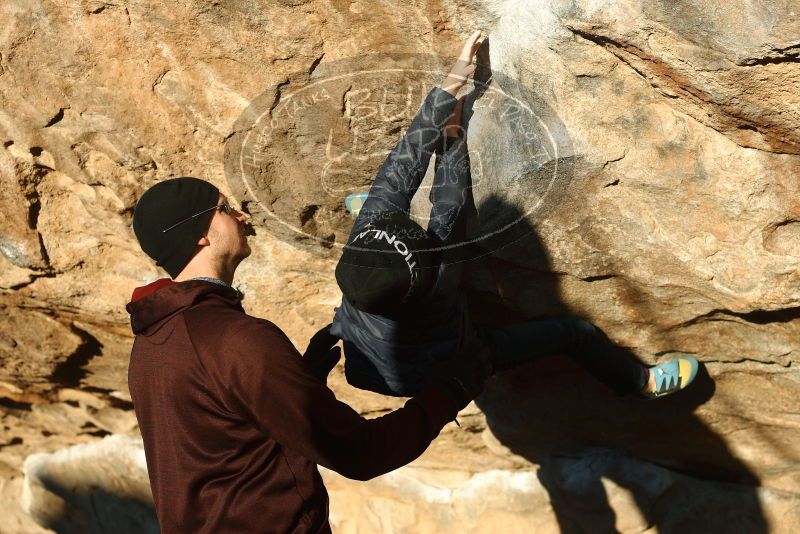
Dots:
(402, 319)
(234, 419)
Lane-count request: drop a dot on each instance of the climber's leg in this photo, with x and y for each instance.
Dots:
(518, 343)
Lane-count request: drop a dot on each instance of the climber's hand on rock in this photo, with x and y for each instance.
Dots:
(463, 67)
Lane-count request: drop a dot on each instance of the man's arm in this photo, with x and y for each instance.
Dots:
(269, 382)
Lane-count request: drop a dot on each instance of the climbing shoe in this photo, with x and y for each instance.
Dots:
(672, 376)
(354, 201)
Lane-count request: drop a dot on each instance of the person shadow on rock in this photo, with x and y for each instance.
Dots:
(594, 447)
(575, 408)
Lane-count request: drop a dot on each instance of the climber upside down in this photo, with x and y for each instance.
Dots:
(403, 319)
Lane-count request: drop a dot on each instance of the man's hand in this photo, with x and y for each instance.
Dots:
(321, 356)
(464, 376)
(463, 67)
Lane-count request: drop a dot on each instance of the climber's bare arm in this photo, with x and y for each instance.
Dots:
(463, 67)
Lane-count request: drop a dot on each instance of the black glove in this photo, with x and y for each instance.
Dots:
(464, 376)
(321, 356)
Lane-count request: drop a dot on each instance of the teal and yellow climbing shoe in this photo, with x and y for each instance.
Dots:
(672, 376)
(354, 201)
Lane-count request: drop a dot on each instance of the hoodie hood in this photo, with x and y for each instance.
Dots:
(154, 303)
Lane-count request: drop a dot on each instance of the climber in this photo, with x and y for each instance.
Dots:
(234, 419)
(402, 316)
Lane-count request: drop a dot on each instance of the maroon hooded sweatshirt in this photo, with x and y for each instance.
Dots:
(234, 423)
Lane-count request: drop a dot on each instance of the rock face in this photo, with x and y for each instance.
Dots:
(634, 162)
(97, 487)
(104, 485)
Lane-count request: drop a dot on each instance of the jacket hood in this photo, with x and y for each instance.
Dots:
(160, 300)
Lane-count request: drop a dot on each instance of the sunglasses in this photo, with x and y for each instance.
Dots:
(224, 208)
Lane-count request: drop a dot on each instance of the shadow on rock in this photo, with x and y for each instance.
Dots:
(95, 488)
(652, 462)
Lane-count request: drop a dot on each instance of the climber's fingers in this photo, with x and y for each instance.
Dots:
(471, 46)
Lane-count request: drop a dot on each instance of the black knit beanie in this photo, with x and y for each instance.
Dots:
(165, 204)
(388, 266)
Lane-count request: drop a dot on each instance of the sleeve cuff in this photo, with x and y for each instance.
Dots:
(442, 105)
(439, 93)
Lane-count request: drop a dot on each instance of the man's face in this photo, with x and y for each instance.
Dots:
(228, 236)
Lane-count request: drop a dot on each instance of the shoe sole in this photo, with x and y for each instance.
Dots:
(354, 202)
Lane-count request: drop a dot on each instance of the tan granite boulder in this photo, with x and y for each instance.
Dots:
(635, 163)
